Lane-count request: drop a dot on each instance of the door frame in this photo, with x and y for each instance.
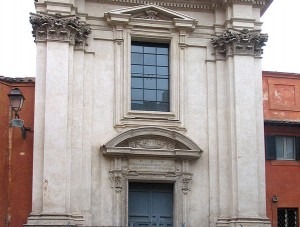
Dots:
(154, 155)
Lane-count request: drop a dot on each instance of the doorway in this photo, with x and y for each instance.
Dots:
(150, 205)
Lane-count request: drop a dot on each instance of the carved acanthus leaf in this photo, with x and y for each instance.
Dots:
(59, 27)
(247, 42)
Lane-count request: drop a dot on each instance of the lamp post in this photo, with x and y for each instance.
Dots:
(16, 99)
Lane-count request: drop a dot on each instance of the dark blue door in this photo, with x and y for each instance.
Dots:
(150, 205)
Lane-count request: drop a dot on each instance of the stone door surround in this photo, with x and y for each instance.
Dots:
(150, 154)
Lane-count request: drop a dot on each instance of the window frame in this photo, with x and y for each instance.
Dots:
(124, 116)
(271, 151)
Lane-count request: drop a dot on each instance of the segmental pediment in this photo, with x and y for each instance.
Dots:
(152, 141)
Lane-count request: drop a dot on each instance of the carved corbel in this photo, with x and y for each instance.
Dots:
(117, 180)
(186, 182)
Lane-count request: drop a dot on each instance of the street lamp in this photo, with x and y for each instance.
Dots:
(16, 99)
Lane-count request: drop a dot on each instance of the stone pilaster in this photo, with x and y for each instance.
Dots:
(56, 36)
(240, 50)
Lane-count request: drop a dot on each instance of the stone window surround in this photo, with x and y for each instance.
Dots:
(173, 29)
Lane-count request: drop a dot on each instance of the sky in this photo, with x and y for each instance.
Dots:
(17, 47)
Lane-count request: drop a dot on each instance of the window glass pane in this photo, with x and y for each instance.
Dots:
(137, 105)
(150, 71)
(290, 148)
(150, 76)
(163, 107)
(162, 60)
(162, 96)
(150, 50)
(136, 58)
(150, 95)
(136, 69)
(162, 50)
(151, 106)
(135, 48)
(137, 94)
(150, 83)
(279, 148)
(162, 71)
(163, 84)
(149, 59)
(137, 82)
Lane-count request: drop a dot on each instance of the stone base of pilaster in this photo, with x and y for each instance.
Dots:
(54, 220)
(243, 222)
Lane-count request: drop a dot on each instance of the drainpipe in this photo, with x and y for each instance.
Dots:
(10, 137)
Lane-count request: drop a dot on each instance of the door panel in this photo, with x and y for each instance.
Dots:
(150, 205)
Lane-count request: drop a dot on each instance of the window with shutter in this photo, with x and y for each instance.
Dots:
(282, 147)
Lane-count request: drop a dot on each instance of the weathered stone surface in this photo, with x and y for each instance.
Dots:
(59, 27)
(244, 42)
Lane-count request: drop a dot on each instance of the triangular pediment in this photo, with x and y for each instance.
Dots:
(150, 12)
(153, 12)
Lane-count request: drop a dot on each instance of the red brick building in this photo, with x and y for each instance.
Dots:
(282, 139)
(15, 154)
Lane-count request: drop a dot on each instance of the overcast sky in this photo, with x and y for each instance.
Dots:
(17, 48)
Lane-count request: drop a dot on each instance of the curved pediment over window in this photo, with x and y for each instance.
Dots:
(152, 141)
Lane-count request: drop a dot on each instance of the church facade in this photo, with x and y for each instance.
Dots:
(148, 113)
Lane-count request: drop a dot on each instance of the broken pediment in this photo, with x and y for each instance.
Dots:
(150, 12)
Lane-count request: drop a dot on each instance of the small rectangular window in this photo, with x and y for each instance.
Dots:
(285, 147)
(282, 147)
(150, 76)
(287, 217)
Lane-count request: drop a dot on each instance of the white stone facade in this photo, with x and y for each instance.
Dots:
(89, 144)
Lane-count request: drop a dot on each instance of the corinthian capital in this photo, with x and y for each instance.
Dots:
(243, 42)
(59, 27)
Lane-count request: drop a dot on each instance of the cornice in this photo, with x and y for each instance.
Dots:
(57, 27)
(198, 5)
(17, 79)
(290, 123)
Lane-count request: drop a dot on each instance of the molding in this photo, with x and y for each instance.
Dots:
(284, 123)
(54, 219)
(17, 79)
(242, 221)
(171, 144)
(239, 42)
(57, 27)
(196, 5)
(150, 13)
